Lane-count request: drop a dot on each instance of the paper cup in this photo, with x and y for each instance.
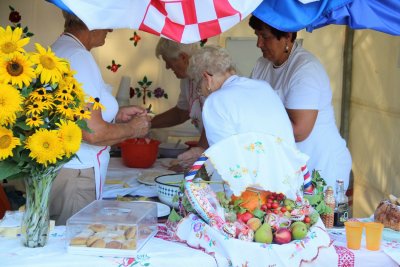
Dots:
(373, 232)
(353, 234)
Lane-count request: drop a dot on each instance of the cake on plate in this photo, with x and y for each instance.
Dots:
(388, 213)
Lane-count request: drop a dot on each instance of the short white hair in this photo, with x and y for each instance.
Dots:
(171, 49)
(211, 59)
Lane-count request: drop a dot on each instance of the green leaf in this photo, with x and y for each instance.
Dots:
(149, 94)
(165, 96)
(22, 125)
(8, 170)
(141, 83)
(149, 83)
(258, 213)
(174, 216)
(11, 8)
(144, 79)
(29, 34)
(83, 125)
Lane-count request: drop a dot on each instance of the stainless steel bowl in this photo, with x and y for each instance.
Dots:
(168, 150)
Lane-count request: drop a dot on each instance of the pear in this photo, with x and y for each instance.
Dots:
(264, 234)
(299, 231)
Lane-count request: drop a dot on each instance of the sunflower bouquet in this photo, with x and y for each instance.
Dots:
(42, 114)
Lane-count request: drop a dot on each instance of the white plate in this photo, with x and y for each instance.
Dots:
(162, 209)
(147, 177)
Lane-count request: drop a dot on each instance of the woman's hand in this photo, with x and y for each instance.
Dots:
(126, 113)
(186, 159)
(140, 124)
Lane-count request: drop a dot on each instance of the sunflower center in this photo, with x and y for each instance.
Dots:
(8, 47)
(5, 141)
(46, 145)
(14, 69)
(47, 62)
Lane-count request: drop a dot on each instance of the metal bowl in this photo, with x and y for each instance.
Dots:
(168, 150)
(168, 186)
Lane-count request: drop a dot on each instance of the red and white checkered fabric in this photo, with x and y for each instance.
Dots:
(185, 21)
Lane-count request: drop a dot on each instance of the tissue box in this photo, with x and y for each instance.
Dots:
(111, 228)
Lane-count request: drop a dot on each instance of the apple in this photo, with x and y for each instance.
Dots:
(245, 216)
(282, 236)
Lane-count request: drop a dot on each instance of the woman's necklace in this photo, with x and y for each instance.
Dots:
(74, 37)
(287, 60)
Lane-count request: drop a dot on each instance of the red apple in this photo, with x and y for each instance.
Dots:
(245, 216)
(282, 236)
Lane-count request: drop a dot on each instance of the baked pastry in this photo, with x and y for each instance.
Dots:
(97, 227)
(114, 244)
(388, 213)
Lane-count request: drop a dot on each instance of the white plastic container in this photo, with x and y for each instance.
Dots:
(111, 228)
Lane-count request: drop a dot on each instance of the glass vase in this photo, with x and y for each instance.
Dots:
(36, 220)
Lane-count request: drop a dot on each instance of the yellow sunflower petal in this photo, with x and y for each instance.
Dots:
(17, 70)
(10, 103)
(71, 136)
(11, 42)
(45, 146)
(7, 143)
(50, 68)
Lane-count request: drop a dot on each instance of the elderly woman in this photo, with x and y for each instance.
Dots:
(176, 57)
(303, 86)
(80, 181)
(236, 104)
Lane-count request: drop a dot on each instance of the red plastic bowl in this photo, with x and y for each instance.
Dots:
(139, 152)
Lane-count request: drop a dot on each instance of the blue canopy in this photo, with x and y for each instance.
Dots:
(295, 15)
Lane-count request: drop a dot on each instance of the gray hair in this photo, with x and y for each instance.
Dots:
(212, 59)
(72, 21)
(171, 50)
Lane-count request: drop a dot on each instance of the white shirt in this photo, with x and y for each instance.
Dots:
(89, 75)
(302, 83)
(244, 105)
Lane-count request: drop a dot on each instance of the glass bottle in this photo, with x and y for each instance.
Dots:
(342, 205)
(329, 198)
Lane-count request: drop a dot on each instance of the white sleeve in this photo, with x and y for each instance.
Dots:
(87, 73)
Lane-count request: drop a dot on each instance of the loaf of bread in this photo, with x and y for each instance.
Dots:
(388, 213)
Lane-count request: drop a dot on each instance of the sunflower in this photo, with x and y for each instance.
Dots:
(11, 42)
(34, 121)
(49, 66)
(17, 70)
(71, 136)
(7, 143)
(45, 146)
(81, 114)
(96, 103)
(64, 93)
(65, 111)
(35, 108)
(10, 103)
(38, 94)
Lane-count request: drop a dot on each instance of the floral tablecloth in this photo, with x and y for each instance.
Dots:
(389, 255)
(160, 252)
(156, 252)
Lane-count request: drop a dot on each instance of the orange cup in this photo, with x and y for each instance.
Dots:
(373, 232)
(353, 234)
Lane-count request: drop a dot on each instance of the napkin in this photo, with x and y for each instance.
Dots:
(10, 225)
